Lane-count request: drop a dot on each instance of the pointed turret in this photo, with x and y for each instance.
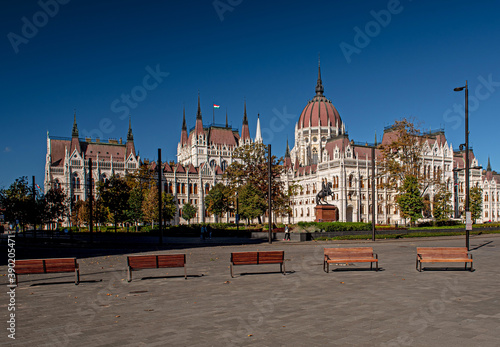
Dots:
(130, 136)
(130, 147)
(74, 133)
(258, 134)
(198, 128)
(226, 120)
(319, 84)
(288, 160)
(75, 142)
(245, 132)
(184, 137)
(375, 143)
(488, 168)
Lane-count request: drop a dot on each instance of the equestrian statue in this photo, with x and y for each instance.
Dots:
(326, 190)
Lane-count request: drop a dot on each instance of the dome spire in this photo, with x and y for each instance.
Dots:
(319, 84)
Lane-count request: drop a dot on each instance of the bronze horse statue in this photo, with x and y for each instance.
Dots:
(323, 193)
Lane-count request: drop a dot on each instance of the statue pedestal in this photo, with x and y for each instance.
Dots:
(327, 213)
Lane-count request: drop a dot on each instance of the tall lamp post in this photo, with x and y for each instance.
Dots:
(468, 218)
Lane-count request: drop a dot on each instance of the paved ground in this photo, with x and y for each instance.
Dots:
(351, 306)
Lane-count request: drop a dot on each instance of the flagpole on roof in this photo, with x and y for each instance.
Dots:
(213, 113)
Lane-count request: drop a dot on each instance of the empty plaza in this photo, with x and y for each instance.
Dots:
(350, 306)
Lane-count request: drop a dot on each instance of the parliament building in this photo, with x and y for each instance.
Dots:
(322, 151)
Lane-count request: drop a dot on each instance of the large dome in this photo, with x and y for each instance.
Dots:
(319, 111)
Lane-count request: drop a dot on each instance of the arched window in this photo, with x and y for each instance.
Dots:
(190, 188)
(213, 163)
(170, 188)
(183, 188)
(207, 188)
(486, 198)
(351, 178)
(314, 159)
(223, 165)
(361, 182)
(196, 188)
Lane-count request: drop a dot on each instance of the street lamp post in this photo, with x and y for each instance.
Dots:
(467, 213)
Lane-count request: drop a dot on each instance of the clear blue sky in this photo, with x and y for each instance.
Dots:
(403, 60)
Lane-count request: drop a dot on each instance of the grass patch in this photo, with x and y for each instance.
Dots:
(405, 235)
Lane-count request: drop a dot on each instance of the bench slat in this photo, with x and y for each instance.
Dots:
(256, 258)
(155, 261)
(443, 255)
(349, 255)
(53, 265)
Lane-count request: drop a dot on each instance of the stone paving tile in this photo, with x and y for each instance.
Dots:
(349, 306)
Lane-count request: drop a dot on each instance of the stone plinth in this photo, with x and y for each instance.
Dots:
(326, 213)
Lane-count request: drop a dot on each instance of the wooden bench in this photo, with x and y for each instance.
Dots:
(443, 255)
(44, 266)
(257, 258)
(137, 262)
(349, 255)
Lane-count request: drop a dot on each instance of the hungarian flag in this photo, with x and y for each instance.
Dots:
(216, 106)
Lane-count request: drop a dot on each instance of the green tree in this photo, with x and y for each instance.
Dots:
(217, 201)
(409, 199)
(252, 202)
(78, 215)
(115, 194)
(403, 166)
(476, 203)
(251, 167)
(134, 210)
(17, 202)
(150, 205)
(56, 207)
(188, 212)
(442, 208)
(169, 208)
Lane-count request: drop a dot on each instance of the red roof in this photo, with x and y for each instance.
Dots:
(319, 109)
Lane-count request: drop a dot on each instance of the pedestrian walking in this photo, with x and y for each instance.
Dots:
(287, 233)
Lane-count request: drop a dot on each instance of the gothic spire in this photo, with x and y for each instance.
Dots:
(287, 153)
(245, 119)
(130, 136)
(184, 127)
(226, 119)
(198, 114)
(258, 133)
(488, 168)
(74, 133)
(319, 84)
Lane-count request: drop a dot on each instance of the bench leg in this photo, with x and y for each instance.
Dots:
(77, 276)
(185, 273)
(231, 269)
(376, 266)
(129, 274)
(282, 268)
